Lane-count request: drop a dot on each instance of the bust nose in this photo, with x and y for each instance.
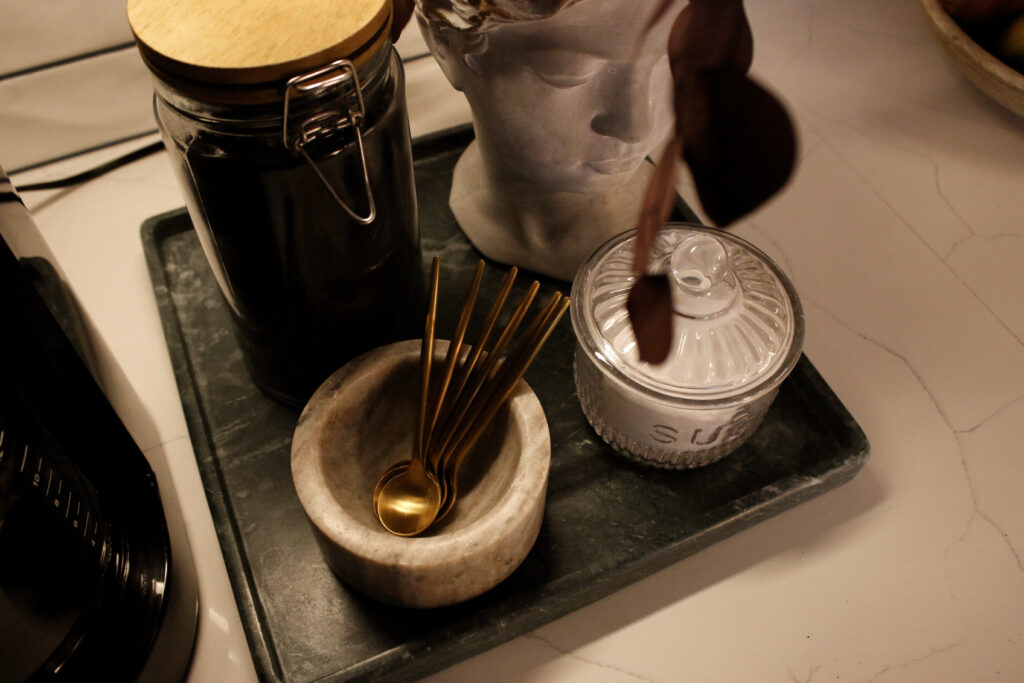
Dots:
(626, 104)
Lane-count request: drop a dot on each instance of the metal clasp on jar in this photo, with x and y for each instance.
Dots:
(338, 72)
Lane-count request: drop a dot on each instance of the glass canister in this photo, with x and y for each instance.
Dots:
(288, 130)
(737, 333)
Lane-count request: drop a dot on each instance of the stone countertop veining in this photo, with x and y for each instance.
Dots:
(901, 231)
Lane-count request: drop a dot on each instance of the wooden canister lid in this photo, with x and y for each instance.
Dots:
(253, 43)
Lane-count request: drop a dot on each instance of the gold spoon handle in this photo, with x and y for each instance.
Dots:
(494, 376)
(513, 371)
(466, 400)
(454, 348)
(457, 398)
(426, 358)
(466, 369)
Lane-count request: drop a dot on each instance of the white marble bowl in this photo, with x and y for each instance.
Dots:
(359, 422)
(991, 75)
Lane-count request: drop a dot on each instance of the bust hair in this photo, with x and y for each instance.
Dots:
(479, 16)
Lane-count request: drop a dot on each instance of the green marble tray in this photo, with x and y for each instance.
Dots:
(607, 523)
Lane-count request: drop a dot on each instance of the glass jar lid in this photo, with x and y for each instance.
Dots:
(737, 324)
(245, 49)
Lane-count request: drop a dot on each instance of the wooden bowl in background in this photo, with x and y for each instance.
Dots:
(999, 81)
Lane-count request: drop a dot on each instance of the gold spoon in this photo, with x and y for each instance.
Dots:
(408, 501)
(467, 394)
(503, 385)
(413, 494)
(441, 416)
(452, 357)
(471, 400)
(458, 399)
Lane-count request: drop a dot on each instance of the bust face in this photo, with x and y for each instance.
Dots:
(574, 102)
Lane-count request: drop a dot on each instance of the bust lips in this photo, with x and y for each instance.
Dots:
(615, 166)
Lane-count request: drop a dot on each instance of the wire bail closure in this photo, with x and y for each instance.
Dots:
(338, 71)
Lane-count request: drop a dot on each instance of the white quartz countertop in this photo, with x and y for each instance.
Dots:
(902, 230)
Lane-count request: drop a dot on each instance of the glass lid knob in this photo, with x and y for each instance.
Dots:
(704, 283)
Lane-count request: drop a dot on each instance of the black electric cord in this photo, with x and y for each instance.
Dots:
(96, 172)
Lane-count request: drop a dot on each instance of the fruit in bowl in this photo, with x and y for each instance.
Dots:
(996, 25)
(982, 12)
(973, 46)
(1011, 44)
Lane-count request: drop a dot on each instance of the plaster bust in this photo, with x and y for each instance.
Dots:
(568, 100)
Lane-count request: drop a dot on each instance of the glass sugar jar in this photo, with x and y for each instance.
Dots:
(287, 127)
(737, 329)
